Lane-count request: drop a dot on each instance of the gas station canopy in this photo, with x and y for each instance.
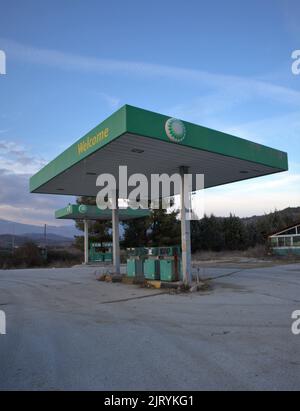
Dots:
(151, 143)
(90, 212)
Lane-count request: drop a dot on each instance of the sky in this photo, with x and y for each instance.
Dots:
(71, 63)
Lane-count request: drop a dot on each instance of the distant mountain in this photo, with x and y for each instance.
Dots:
(7, 240)
(65, 234)
(11, 227)
(293, 213)
(50, 239)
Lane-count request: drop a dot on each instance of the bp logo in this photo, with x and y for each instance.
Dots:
(175, 130)
(82, 208)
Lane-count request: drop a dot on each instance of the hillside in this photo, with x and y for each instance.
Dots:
(7, 240)
(290, 214)
(12, 227)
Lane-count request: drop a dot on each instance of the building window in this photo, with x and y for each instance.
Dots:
(288, 241)
(273, 241)
(296, 241)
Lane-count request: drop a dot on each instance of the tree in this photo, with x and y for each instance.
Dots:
(161, 228)
(135, 232)
(207, 234)
(234, 233)
(99, 231)
(29, 255)
(164, 228)
(251, 234)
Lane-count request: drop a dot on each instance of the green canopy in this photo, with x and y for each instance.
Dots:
(147, 143)
(90, 212)
(151, 143)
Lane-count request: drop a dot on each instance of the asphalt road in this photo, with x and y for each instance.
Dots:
(66, 331)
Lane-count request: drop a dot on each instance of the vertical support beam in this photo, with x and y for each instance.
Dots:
(86, 241)
(185, 227)
(115, 233)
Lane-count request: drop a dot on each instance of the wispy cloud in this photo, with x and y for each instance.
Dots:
(278, 127)
(252, 197)
(283, 181)
(17, 204)
(16, 159)
(112, 101)
(247, 86)
(247, 205)
(221, 94)
(256, 196)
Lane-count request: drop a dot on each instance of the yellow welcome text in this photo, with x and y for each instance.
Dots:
(89, 142)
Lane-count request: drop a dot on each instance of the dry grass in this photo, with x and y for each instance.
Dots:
(252, 258)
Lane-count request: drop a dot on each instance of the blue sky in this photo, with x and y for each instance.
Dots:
(70, 64)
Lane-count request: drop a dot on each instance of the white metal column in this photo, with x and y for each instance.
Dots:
(185, 227)
(86, 241)
(115, 235)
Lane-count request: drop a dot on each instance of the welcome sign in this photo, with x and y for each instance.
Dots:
(89, 142)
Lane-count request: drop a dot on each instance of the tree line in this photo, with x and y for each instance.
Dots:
(209, 233)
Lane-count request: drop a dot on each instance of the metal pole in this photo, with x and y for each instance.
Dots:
(45, 254)
(86, 241)
(115, 233)
(45, 236)
(13, 240)
(185, 228)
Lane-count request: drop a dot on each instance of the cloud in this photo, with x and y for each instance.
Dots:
(16, 159)
(284, 128)
(112, 102)
(220, 94)
(281, 183)
(248, 205)
(245, 86)
(247, 198)
(16, 203)
(257, 196)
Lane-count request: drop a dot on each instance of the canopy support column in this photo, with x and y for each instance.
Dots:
(115, 234)
(185, 227)
(86, 241)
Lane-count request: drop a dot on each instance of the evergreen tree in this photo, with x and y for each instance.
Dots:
(99, 231)
(207, 234)
(234, 233)
(161, 228)
(164, 228)
(251, 234)
(135, 232)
